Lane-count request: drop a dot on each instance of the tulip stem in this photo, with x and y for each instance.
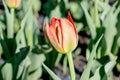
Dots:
(12, 15)
(10, 25)
(71, 65)
(96, 18)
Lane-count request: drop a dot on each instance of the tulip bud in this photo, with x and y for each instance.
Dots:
(13, 3)
(62, 34)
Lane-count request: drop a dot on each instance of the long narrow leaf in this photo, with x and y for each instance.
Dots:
(7, 71)
(5, 49)
(51, 73)
(108, 67)
(86, 73)
(109, 25)
(89, 21)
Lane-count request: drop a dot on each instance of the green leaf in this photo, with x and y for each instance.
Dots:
(89, 20)
(76, 10)
(105, 7)
(2, 26)
(86, 73)
(7, 72)
(109, 25)
(106, 72)
(5, 6)
(56, 12)
(96, 75)
(35, 69)
(20, 36)
(11, 44)
(5, 49)
(30, 28)
(17, 59)
(36, 5)
(13, 64)
(10, 19)
(23, 69)
(51, 73)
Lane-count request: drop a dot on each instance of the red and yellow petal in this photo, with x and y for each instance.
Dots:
(13, 3)
(71, 20)
(51, 36)
(62, 34)
(69, 35)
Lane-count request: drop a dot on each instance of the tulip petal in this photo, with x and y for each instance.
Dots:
(69, 35)
(56, 29)
(51, 36)
(59, 32)
(71, 20)
(13, 3)
(18, 3)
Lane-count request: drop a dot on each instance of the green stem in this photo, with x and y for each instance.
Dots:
(65, 65)
(96, 18)
(10, 25)
(58, 59)
(71, 65)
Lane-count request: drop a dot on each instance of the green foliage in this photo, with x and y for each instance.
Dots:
(89, 20)
(52, 74)
(25, 54)
(86, 73)
(19, 60)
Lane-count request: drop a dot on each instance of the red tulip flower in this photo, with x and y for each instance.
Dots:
(62, 34)
(13, 3)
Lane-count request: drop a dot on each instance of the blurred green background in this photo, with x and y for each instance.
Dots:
(22, 55)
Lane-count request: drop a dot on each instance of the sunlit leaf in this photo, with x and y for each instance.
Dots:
(86, 73)
(51, 73)
(109, 25)
(35, 69)
(5, 49)
(7, 72)
(107, 71)
(89, 21)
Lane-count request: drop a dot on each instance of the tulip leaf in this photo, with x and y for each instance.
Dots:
(103, 72)
(31, 29)
(6, 9)
(76, 10)
(23, 69)
(18, 58)
(20, 36)
(5, 49)
(2, 27)
(11, 66)
(86, 73)
(10, 18)
(36, 5)
(55, 12)
(7, 71)
(105, 7)
(51, 73)
(110, 26)
(35, 70)
(89, 21)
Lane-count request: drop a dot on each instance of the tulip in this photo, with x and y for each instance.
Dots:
(13, 3)
(62, 34)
